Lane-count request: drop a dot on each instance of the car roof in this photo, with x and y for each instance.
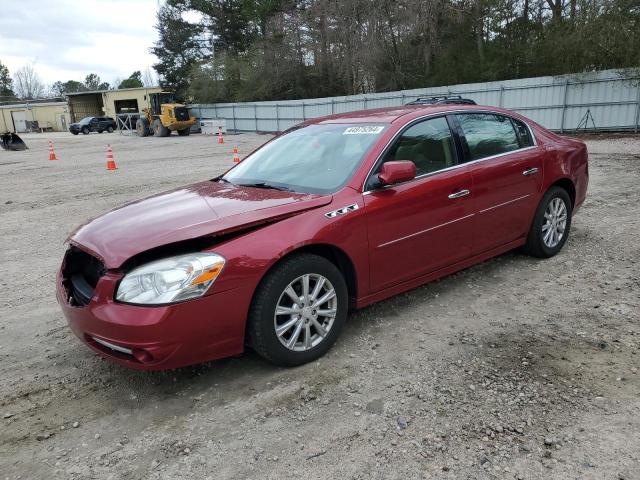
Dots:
(406, 112)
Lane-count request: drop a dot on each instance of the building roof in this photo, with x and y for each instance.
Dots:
(30, 104)
(72, 94)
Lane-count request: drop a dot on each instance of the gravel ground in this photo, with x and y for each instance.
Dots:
(516, 368)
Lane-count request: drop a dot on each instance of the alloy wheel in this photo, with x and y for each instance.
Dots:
(305, 312)
(555, 222)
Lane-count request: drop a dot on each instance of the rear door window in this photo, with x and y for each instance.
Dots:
(488, 134)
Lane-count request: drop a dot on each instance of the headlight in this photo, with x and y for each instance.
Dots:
(171, 280)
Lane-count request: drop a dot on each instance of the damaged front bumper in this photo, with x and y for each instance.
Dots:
(158, 337)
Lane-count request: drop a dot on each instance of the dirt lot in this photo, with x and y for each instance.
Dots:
(516, 368)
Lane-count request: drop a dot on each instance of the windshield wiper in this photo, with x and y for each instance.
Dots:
(265, 185)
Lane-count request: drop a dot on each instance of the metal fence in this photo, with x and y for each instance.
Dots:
(605, 100)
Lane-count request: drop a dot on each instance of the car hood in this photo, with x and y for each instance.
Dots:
(198, 210)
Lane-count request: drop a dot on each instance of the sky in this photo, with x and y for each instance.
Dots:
(66, 40)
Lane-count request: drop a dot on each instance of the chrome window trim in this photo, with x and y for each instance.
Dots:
(440, 114)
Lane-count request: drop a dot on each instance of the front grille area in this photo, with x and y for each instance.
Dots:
(182, 114)
(80, 275)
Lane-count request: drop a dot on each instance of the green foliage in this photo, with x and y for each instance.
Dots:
(59, 88)
(178, 49)
(134, 81)
(244, 50)
(92, 82)
(6, 84)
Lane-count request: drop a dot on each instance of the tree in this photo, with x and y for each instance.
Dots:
(149, 78)
(27, 83)
(92, 82)
(179, 49)
(6, 84)
(134, 81)
(57, 89)
(60, 89)
(240, 50)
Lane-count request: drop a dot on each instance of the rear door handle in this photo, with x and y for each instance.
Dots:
(461, 193)
(530, 171)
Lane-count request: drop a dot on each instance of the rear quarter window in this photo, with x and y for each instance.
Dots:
(523, 133)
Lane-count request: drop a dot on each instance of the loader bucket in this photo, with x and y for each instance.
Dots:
(11, 141)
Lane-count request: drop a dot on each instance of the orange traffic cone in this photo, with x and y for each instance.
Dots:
(111, 163)
(236, 155)
(220, 137)
(52, 154)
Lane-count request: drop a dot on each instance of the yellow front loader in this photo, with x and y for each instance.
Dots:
(164, 116)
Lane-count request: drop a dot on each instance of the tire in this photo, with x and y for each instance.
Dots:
(75, 133)
(262, 320)
(85, 130)
(100, 131)
(142, 128)
(110, 129)
(184, 132)
(540, 242)
(160, 130)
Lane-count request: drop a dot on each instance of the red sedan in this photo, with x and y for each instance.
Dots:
(334, 214)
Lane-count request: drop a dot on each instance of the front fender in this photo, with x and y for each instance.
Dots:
(252, 255)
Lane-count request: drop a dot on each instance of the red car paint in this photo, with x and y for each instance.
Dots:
(188, 212)
(400, 237)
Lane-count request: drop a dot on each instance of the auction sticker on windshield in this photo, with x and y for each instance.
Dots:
(364, 130)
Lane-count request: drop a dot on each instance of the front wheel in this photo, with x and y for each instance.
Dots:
(142, 127)
(160, 130)
(85, 131)
(110, 129)
(551, 224)
(298, 310)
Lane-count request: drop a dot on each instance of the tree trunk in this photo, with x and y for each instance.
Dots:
(479, 29)
(573, 10)
(556, 9)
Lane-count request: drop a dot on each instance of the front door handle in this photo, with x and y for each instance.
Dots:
(530, 171)
(461, 193)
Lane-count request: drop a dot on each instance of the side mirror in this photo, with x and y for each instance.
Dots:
(397, 171)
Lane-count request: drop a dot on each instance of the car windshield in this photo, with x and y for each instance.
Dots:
(85, 120)
(310, 159)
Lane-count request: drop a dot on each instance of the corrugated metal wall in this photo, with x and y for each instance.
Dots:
(558, 103)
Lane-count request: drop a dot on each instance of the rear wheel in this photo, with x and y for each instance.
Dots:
(298, 310)
(184, 132)
(551, 224)
(160, 130)
(110, 129)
